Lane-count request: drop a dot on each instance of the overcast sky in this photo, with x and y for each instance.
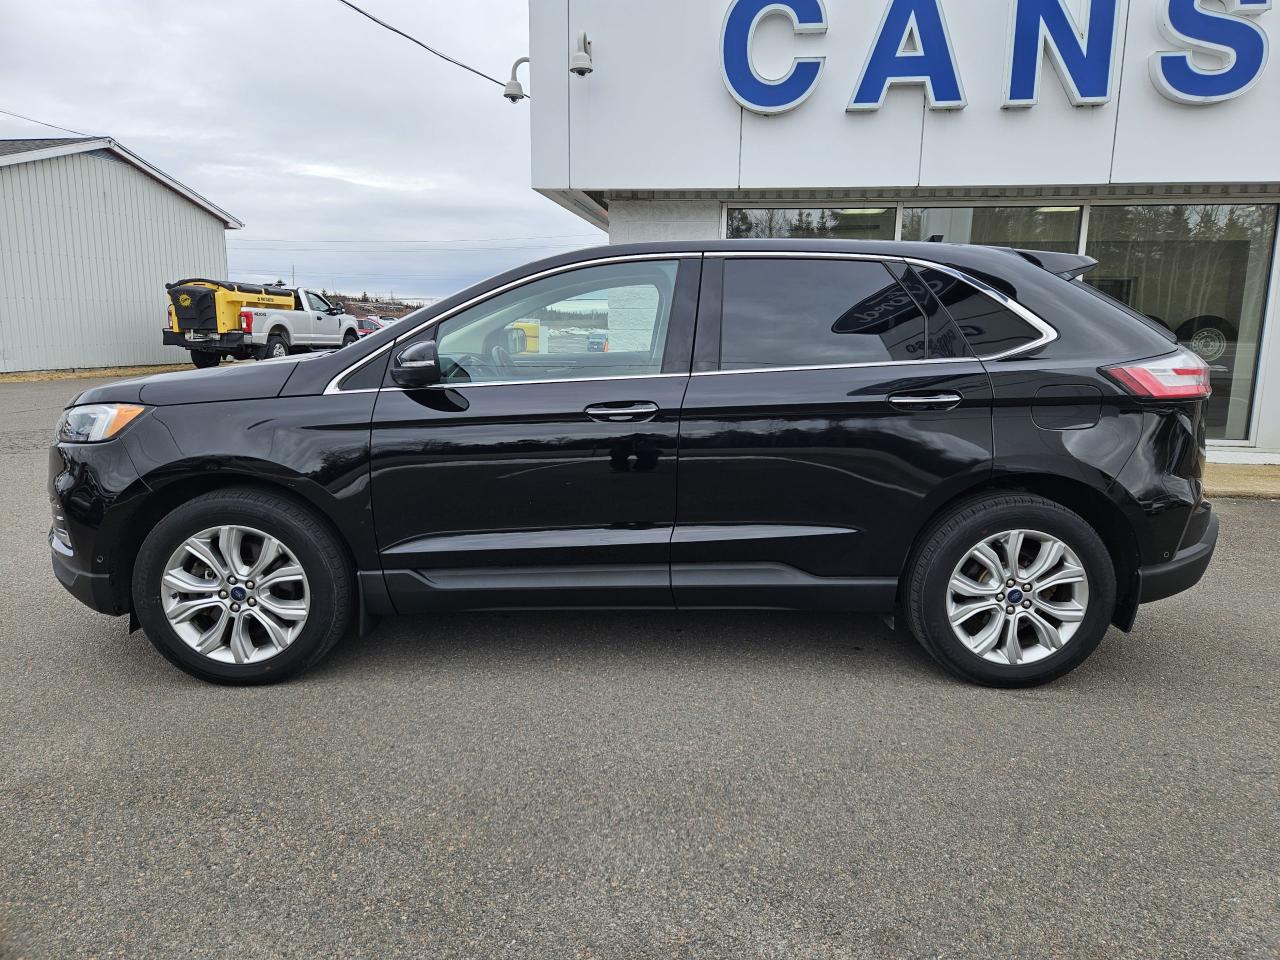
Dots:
(309, 123)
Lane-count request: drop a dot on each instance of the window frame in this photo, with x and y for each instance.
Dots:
(676, 356)
(710, 328)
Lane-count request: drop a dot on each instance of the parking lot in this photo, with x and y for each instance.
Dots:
(628, 785)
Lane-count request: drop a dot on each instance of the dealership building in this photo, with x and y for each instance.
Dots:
(1143, 133)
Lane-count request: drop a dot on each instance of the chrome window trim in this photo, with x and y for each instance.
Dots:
(1048, 333)
(474, 301)
(465, 385)
(836, 366)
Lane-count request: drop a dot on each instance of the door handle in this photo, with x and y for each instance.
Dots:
(913, 402)
(622, 412)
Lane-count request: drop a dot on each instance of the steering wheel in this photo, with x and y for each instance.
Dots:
(500, 356)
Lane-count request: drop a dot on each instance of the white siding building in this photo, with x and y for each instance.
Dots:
(89, 235)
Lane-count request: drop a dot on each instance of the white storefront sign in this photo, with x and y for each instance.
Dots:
(764, 94)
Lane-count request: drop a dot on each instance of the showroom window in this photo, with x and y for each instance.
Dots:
(845, 223)
(1038, 228)
(1202, 270)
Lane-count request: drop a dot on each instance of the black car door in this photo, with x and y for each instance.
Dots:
(541, 471)
(829, 412)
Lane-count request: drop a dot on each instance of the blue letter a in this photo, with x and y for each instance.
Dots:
(912, 46)
(1083, 58)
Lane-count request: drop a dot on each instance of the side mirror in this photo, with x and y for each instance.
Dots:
(417, 365)
(335, 311)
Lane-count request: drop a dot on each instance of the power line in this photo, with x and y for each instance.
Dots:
(10, 113)
(442, 56)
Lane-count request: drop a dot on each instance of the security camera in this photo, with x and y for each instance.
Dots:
(513, 91)
(580, 63)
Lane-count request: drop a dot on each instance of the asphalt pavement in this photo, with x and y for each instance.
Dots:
(634, 785)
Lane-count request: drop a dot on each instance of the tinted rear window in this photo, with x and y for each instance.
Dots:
(990, 328)
(800, 313)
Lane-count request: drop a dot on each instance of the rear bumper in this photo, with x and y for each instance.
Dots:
(1182, 572)
(227, 341)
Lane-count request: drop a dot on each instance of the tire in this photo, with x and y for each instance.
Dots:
(327, 595)
(947, 547)
(349, 338)
(277, 346)
(204, 359)
(1210, 338)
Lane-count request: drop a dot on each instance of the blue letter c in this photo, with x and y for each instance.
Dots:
(747, 86)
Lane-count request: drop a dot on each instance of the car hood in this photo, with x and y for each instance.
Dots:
(242, 381)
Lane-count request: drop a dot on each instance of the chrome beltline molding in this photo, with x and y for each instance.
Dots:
(1047, 333)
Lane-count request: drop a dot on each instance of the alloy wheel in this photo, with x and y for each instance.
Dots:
(235, 594)
(1017, 597)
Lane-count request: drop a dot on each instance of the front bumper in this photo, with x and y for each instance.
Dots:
(94, 590)
(94, 493)
(1185, 569)
(227, 341)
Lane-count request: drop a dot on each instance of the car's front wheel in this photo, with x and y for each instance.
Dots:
(1011, 590)
(243, 586)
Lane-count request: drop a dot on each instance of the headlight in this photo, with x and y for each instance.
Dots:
(95, 422)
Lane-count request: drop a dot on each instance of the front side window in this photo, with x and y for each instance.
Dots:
(603, 321)
(802, 313)
(317, 302)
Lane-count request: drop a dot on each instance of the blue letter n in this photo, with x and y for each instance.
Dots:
(1082, 57)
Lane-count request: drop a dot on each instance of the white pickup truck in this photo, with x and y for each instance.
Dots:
(218, 318)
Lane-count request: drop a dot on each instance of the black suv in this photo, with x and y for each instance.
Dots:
(970, 437)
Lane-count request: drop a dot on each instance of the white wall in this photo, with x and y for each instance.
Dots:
(87, 243)
(640, 221)
(655, 114)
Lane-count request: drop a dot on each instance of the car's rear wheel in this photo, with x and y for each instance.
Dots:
(203, 359)
(1011, 590)
(243, 586)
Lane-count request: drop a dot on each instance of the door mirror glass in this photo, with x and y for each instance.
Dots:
(417, 365)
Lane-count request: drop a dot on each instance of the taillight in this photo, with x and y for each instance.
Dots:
(246, 321)
(1178, 376)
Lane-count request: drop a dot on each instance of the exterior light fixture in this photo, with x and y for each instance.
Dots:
(513, 91)
(580, 63)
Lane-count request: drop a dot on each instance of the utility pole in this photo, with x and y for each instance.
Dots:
(293, 276)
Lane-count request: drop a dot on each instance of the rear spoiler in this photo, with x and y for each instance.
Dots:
(1068, 266)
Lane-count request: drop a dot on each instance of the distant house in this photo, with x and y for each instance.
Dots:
(89, 235)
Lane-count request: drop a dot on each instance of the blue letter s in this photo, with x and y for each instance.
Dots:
(1241, 44)
(747, 86)
(1083, 60)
